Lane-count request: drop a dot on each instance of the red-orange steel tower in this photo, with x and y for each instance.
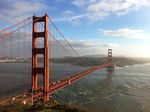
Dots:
(109, 61)
(109, 56)
(36, 70)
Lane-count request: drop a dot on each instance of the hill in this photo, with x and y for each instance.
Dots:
(119, 61)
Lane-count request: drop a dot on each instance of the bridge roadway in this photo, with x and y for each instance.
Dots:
(54, 86)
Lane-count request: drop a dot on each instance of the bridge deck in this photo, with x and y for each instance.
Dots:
(54, 86)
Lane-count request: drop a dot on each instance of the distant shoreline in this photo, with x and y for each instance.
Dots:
(137, 65)
(118, 61)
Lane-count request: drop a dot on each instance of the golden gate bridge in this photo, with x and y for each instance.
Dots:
(37, 41)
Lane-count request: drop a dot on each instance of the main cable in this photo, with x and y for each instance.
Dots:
(14, 25)
(3, 36)
(63, 46)
(67, 41)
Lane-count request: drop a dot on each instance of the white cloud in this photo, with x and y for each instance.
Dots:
(85, 47)
(117, 7)
(90, 10)
(97, 16)
(110, 45)
(97, 10)
(126, 33)
(16, 10)
(82, 3)
(92, 47)
(92, 44)
(71, 17)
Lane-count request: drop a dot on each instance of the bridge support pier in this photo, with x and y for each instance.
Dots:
(36, 70)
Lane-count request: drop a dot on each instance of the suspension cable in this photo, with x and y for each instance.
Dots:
(14, 25)
(67, 41)
(64, 47)
(3, 36)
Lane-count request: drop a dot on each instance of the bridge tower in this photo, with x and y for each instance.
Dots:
(109, 61)
(109, 56)
(36, 70)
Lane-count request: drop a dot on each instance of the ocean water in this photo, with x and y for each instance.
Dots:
(15, 78)
(125, 90)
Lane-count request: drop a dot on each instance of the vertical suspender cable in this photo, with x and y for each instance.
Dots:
(18, 54)
(24, 54)
(29, 31)
(11, 68)
(3, 68)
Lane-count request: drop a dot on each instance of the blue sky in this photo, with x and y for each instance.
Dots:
(122, 25)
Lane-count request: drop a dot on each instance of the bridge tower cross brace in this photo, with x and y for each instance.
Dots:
(36, 70)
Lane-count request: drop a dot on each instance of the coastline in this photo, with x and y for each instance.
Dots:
(51, 106)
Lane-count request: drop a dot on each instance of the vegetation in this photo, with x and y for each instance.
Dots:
(51, 106)
(119, 61)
